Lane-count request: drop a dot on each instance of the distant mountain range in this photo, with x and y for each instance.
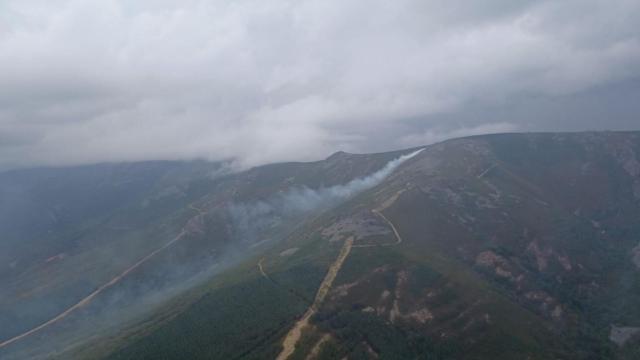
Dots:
(508, 246)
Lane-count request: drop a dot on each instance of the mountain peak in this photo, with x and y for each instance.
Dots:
(338, 155)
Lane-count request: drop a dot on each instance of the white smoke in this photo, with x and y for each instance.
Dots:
(359, 184)
(250, 219)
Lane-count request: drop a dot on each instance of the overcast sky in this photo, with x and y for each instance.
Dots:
(266, 80)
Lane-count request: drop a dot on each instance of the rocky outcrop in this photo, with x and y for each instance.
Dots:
(545, 254)
(620, 335)
(635, 256)
(499, 264)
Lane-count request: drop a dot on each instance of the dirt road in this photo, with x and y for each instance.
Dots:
(97, 292)
(290, 341)
(200, 211)
(262, 269)
(486, 171)
(315, 351)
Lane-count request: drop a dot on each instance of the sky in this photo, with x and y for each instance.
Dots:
(262, 81)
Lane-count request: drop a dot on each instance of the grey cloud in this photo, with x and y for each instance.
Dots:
(263, 81)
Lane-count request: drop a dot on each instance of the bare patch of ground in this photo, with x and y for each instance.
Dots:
(635, 256)
(289, 252)
(393, 228)
(620, 335)
(313, 354)
(544, 255)
(385, 204)
(359, 226)
(498, 263)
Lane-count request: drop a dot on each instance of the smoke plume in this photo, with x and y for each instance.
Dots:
(252, 219)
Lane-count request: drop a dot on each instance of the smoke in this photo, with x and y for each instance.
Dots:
(253, 220)
(176, 270)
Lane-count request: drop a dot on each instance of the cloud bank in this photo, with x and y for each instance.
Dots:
(262, 81)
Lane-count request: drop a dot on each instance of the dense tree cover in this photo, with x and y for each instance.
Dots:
(242, 320)
(358, 334)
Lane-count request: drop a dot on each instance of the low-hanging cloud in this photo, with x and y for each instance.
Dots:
(263, 81)
(250, 219)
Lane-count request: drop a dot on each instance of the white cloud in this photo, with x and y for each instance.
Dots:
(433, 136)
(263, 81)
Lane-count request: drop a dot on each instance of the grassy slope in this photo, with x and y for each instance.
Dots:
(244, 315)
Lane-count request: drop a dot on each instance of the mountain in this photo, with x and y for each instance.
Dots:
(92, 239)
(510, 246)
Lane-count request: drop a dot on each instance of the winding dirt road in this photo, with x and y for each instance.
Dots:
(99, 290)
(262, 269)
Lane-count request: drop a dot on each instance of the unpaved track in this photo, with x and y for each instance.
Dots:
(99, 290)
(262, 269)
(200, 211)
(290, 341)
(315, 351)
(486, 171)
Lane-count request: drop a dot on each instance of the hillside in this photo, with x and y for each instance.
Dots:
(104, 244)
(505, 246)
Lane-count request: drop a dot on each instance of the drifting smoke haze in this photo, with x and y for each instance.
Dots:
(250, 219)
(165, 276)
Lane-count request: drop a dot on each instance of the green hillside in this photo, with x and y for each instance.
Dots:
(511, 246)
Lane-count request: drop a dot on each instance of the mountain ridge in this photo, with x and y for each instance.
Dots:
(505, 207)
